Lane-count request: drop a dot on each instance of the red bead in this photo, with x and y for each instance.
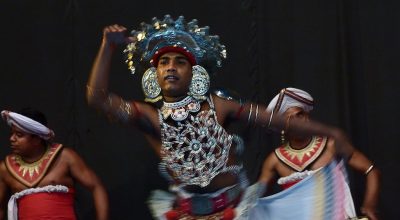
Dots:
(172, 215)
(229, 214)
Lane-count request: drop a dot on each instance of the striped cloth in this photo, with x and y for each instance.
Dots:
(325, 195)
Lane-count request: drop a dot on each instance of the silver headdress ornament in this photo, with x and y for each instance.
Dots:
(192, 40)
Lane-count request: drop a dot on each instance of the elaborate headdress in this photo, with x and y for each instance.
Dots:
(188, 38)
(168, 35)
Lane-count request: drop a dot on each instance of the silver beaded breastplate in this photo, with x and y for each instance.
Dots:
(197, 149)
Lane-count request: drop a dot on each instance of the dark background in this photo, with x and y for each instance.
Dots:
(344, 52)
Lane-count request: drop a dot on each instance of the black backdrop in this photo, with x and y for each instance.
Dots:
(344, 52)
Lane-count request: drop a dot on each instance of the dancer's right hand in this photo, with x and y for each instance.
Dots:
(116, 34)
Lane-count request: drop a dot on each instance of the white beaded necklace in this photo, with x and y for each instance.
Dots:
(179, 111)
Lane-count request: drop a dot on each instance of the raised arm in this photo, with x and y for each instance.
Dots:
(97, 87)
(97, 92)
(88, 179)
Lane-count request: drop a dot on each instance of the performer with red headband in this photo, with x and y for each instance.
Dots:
(301, 156)
(198, 156)
(41, 174)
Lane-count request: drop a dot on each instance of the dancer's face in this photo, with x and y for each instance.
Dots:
(296, 113)
(174, 74)
(23, 143)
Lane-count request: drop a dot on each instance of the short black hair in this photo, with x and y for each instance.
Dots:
(34, 115)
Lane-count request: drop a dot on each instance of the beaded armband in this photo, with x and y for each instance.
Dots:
(121, 112)
(95, 91)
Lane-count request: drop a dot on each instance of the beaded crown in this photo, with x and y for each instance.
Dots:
(189, 38)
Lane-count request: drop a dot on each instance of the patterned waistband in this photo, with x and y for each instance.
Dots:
(199, 204)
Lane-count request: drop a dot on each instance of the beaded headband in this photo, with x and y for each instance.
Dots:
(174, 35)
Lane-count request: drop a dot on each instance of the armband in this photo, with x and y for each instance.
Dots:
(369, 169)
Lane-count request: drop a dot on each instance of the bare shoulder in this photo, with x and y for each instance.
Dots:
(223, 99)
(147, 116)
(3, 168)
(226, 105)
(69, 155)
(271, 160)
(344, 150)
(269, 168)
(144, 107)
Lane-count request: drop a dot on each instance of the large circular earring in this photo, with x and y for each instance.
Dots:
(150, 86)
(200, 83)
